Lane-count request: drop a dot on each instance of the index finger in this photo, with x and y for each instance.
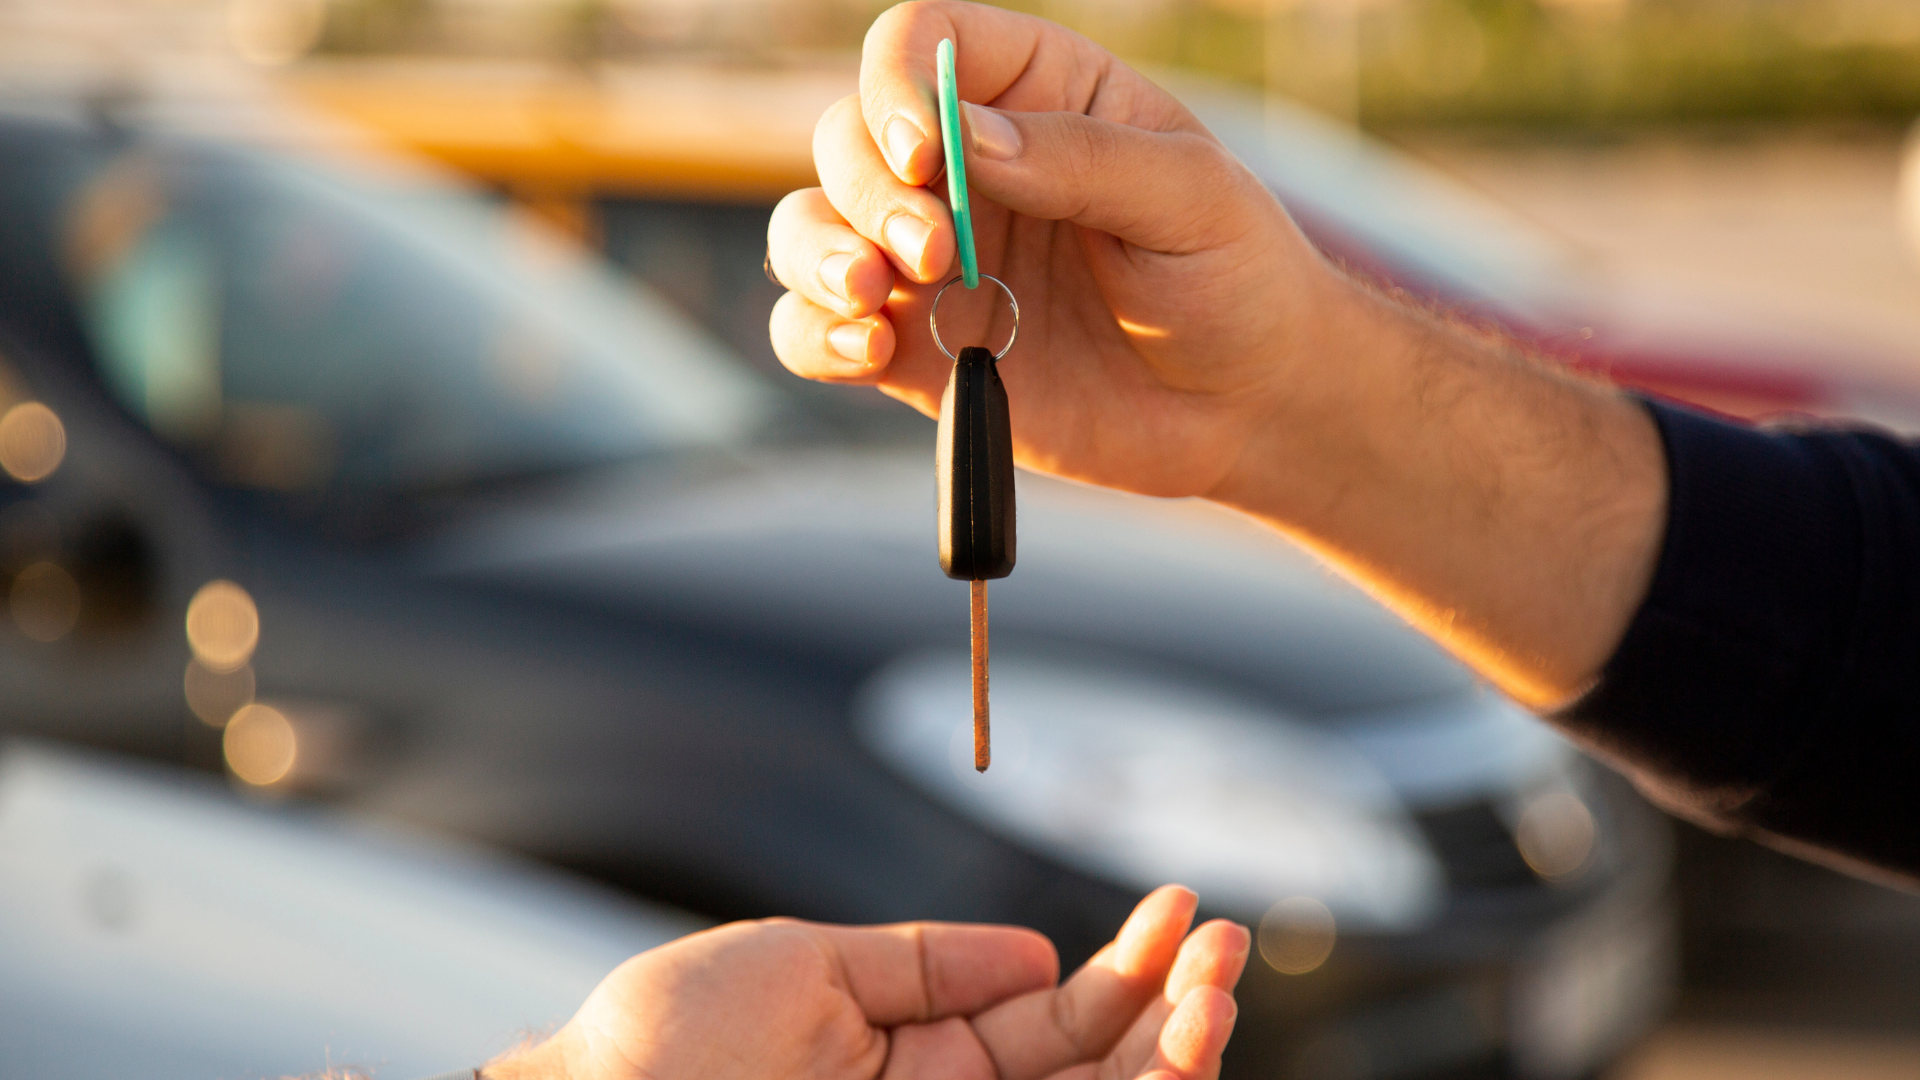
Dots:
(916, 972)
(995, 48)
(1039, 1034)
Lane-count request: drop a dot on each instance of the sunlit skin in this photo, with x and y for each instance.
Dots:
(940, 1001)
(1180, 337)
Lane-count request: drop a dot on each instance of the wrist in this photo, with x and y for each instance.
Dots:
(1502, 506)
(1303, 420)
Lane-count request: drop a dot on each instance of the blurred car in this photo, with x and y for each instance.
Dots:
(670, 169)
(154, 924)
(464, 530)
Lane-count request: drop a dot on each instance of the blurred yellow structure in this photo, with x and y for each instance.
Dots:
(553, 137)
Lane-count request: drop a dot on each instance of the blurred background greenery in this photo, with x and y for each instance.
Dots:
(1577, 64)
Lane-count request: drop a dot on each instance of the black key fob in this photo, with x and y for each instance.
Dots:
(974, 462)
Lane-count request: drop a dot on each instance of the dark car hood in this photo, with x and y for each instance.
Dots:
(834, 550)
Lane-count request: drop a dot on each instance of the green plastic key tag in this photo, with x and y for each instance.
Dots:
(956, 166)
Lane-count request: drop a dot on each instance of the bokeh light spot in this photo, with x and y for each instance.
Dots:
(260, 745)
(45, 601)
(223, 626)
(33, 442)
(214, 696)
(1296, 935)
(1555, 834)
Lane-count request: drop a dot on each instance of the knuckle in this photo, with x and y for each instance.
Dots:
(846, 108)
(785, 321)
(1214, 163)
(1092, 147)
(901, 15)
(797, 201)
(1064, 1011)
(834, 120)
(890, 20)
(903, 21)
(789, 213)
(929, 973)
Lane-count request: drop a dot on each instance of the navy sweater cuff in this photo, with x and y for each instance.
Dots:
(1730, 662)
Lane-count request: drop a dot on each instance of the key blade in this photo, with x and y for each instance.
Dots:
(982, 729)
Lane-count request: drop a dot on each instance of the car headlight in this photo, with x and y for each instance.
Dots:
(1141, 779)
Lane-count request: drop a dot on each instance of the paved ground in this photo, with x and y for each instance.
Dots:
(1743, 1053)
(1809, 221)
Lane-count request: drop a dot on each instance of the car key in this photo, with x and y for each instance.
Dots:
(974, 456)
(974, 466)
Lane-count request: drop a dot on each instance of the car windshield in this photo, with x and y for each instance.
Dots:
(296, 328)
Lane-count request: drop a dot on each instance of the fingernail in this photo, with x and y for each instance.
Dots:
(902, 137)
(907, 236)
(994, 136)
(833, 274)
(850, 340)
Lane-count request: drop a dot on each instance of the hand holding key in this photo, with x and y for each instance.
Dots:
(1152, 326)
(1181, 337)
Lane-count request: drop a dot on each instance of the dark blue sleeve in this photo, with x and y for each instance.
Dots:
(1770, 683)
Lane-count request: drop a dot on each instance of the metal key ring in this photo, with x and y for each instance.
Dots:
(933, 317)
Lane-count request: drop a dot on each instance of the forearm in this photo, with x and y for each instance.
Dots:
(1750, 594)
(1508, 509)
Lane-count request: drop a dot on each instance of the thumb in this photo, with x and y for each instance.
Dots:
(1168, 191)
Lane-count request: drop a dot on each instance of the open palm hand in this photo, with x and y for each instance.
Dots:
(782, 998)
